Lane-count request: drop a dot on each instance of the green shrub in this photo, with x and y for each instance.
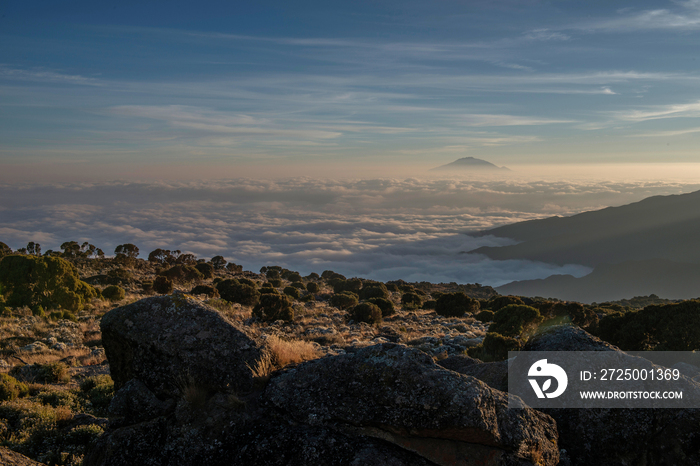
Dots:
(411, 300)
(274, 307)
(11, 388)
(266, 285)
(485, 316)
(236, 292)
(147, 286)
(670, 327)
(162, 285)
(207, 270)
(182, 273)
(313, 276)
(291, 275)
(386, 306)
(291, 291)
(114, 293)
(353, 285)
(247, 281)
(53, 372)
(312, 287)
(455, 305)
(392, 287)
(343, 300)
(515, 320)
(373, 290)
(298, 285)
(63, 315)
(207, 290)
(50, 282)
(498, 302)
(38, 311)
(276, 282)
(495, 347)
(366, 312)
(99, 390)
(267, 289)
(429, 304)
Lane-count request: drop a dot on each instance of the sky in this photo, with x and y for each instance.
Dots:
(93, 90)
(301, 133)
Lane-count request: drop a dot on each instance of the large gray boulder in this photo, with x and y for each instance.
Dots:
(400, 395)
(169, 342)
(620, 436)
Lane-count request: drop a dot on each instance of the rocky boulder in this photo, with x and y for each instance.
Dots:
(398, 394)
(12, 458)
(621, 436)
(493, 374)
(168, 342)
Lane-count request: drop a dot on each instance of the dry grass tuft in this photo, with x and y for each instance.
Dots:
(290, 352)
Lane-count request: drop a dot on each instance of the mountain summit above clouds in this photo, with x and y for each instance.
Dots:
(469, 163)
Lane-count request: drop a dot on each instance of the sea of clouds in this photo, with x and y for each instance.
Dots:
(384, 229)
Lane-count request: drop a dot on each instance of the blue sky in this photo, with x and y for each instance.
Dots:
(122, 90)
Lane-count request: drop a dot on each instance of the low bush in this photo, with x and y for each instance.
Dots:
(373, 290)
(113, 293)
(485, 316)
(11, 388)
(312, 287)
(236, 292)
(274, 307)
(291, 292)
(386, 306)
(162, 285)
(298, 285)
(343, 300)
(495, 347)
(207, 270)
(206, 290)
(515, 320)
(411, 300)
(455, 305)
(366, 312)
(498, 302)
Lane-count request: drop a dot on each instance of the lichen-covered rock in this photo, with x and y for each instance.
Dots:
(166, 341)
(399, 394)
(12, 458)
(493, 374)
(567, 338)
(620, 436)
(135, 403)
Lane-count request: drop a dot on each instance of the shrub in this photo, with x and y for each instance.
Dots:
(298, 285)
(274, 307)
(11, 388)
(99, 390)
(247, 281)
(207, 290)
(353, 285)
(50, 282)
(670, 327)
(207, 270)
(291, 275)
(411, 300)
(515, 320)
(162, 285)
(329, 274)
(455, 305)
(386, 306)
(495, 347)
(276, 282)
(113, 293)
(373, 290)
(430, 304)
(63, 315)
(291, 291)
(392, 287)
(313, 276)
(498, 302)
(366, 312)
(485, 316)
(312, 287)
(343, 300)
(53, 372)
(182, 273)
(267, 289)
(234, 291)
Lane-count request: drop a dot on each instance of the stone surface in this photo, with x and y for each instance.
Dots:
(402, 392)
(493, 374)
(12, 458)
(170, 341)
(135, 403)
(623, 436)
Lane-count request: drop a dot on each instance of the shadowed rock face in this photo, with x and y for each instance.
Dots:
(398, 393)
(387, 404)
(619, 436)
(167, 342)
(11, 458)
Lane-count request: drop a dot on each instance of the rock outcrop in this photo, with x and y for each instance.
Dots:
(12, 458)
(399, 394)
(387, 404)
(621, 436)
(169, 342)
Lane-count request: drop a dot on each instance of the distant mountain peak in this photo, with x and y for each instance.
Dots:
(468, 163)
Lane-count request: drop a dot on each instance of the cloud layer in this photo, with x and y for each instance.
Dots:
(383, 229)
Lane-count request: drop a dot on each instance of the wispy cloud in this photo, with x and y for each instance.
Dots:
(685, 17)
(689, 110)
(47, 76)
